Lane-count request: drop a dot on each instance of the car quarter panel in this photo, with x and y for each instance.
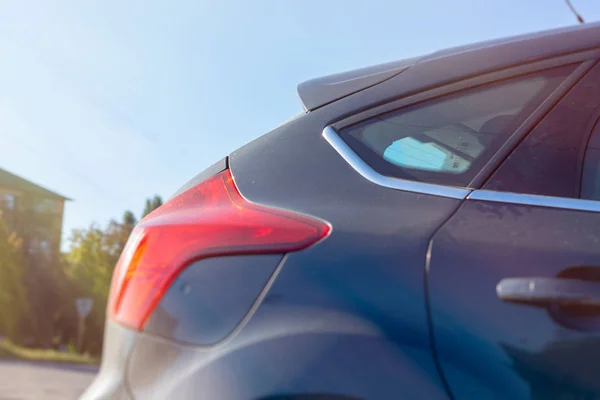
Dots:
(346, 316)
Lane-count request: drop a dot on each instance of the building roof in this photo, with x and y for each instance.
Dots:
(13, 181)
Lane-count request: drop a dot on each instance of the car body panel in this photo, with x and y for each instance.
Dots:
(318, 330)
(316, 353)
(321, 91)
(491, 349)
(202, 176)
(374, 243)
(211, 297)
(110, 382)
(488, 348)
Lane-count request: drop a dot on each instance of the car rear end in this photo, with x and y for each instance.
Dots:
(279, 271)
(291, 269)
(274, 273)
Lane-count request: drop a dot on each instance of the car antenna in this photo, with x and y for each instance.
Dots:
(579, 17)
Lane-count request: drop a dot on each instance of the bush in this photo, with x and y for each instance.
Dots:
(9, 350)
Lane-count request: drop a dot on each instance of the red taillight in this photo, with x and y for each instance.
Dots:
(211, 219)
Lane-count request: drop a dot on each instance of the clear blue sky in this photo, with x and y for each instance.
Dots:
(109, 102)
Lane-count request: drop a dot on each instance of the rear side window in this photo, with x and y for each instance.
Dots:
(549, 160)
(447, 140)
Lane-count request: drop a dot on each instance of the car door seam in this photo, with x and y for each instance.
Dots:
(426, 271)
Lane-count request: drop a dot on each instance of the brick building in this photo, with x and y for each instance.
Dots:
(34, 213)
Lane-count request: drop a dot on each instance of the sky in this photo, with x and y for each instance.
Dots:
(110, 102)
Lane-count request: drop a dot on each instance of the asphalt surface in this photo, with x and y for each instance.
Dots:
(20, 380)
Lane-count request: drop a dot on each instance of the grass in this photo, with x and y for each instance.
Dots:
(12, 351)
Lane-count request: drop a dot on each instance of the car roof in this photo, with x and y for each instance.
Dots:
(465, 60)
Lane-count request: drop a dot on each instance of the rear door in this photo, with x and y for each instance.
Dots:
(513, 276)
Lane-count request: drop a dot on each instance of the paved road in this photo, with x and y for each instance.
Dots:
(24, 380)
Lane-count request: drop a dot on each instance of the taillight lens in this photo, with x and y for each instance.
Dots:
(211, 219)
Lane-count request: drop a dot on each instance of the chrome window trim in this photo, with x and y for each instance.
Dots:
(381, 180)
(535, 200)
(331, 136)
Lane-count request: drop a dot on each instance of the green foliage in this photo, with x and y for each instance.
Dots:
(12, 351)
(36, 221)
(38, 290)
(127, 225)
(89, 266)
(13, 296)
(129, 219)
(152, 204)
(156, 202)
(90, 262)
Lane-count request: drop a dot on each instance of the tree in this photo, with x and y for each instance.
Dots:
(13, 296)
(129, 218)
(129, 222)
(89, 266)
(156, 202)
(152, 204)
(40, 265)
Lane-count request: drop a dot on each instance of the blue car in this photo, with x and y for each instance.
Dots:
(425, 229)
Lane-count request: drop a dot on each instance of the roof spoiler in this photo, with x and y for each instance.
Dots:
(321, 91)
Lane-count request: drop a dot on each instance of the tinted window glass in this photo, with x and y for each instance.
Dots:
(447, 140)
(590, 184)
(548, 161)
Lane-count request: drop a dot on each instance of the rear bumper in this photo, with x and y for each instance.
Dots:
(287, 352)
(110, 383)
(304, 336)
(292, 352)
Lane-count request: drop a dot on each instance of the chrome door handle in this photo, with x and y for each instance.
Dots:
(547, 291)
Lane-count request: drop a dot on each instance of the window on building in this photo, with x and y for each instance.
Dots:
(10, 201)
(45, 247)
(45, 206)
